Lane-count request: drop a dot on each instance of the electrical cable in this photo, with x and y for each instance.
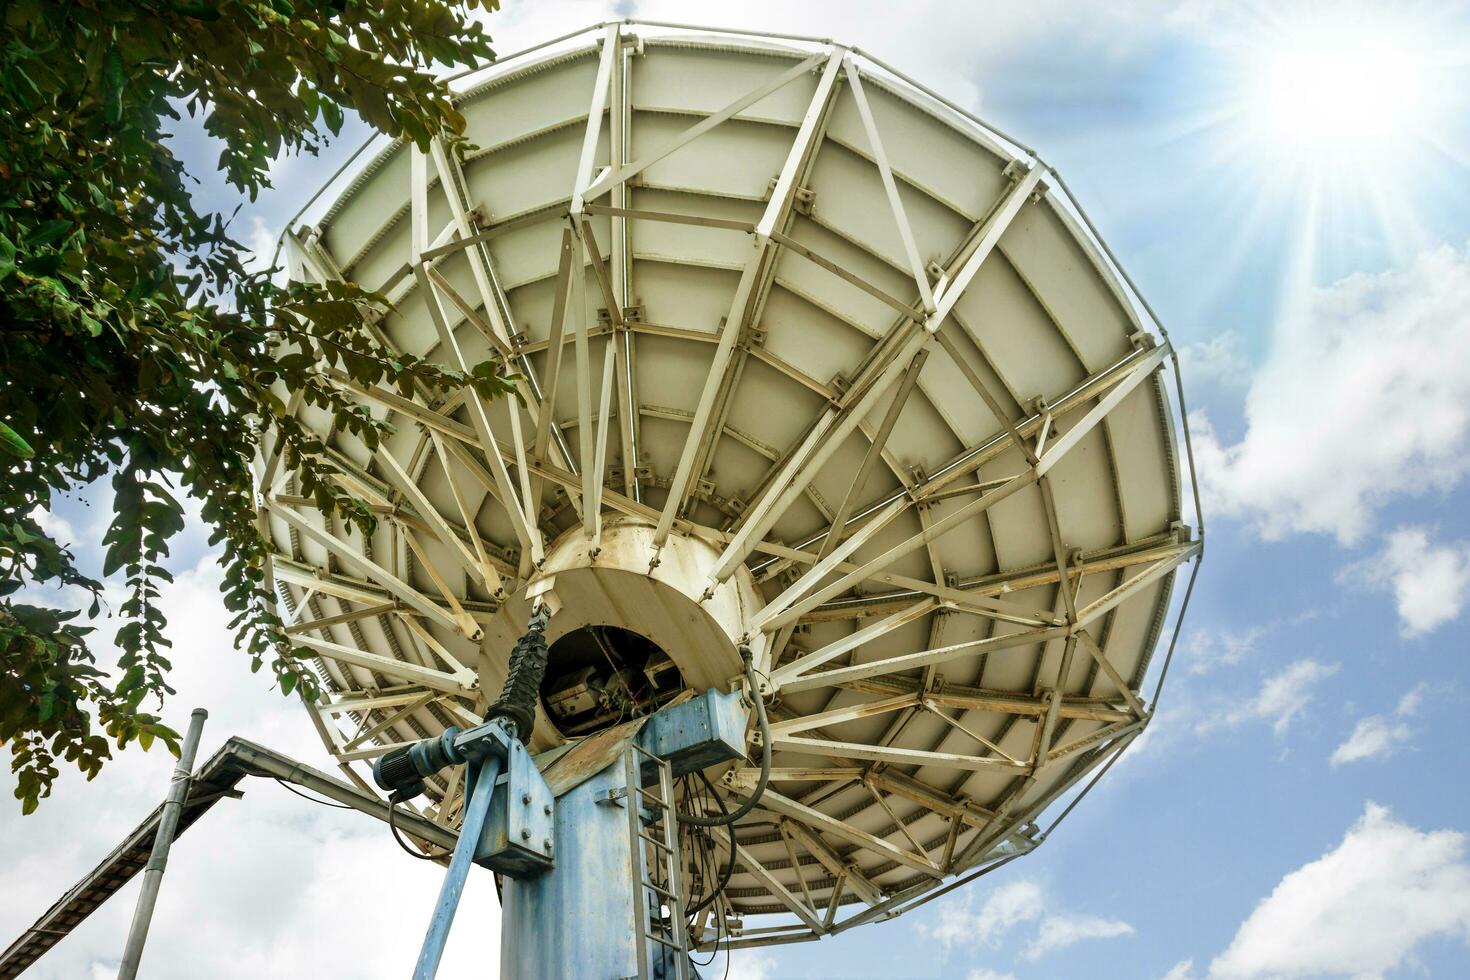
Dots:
(730, 864)
(728, 819)
(393, 829)
(714, 952)
(727, 947)
(700, 876)
(314, 799)
(701, 853)
(392, 809)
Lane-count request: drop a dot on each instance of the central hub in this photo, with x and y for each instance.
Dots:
(599, 676)
(625, 639)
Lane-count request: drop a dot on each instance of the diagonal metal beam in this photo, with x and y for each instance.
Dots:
(601, 90)
(894, 754)
(923, 658)
(918, 540)
(1002, 702)
(824, 567)
(837, 716)
(489, 574)
(817, 820)
(895, 203)
(379, 574)
(852, 641)
(393, 718)
(402, 670)
(826, 437)
(351, 616)
(861, 884)
(621, 174)
(761, 873)
(367, 701)
(778, 496)
(776, 209)
(565, 267)
(410, 488)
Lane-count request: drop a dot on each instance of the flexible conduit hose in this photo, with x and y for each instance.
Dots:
(728, 819)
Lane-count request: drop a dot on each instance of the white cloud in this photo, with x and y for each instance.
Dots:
(1014, 904)
(1413, 700)
(1183, 970)
(1373, 737)
(1364, 396)
(1361, 909)
(740, 964)
(1209, 649)
(983, 974)
(947, 47)
(1060, 931)
(1282, 697)
(257, 887)
(1219, 360)
(1379, 737)
(1171, 723)
(262, 245)
(1005, 908)
(746, 965)
(55, 525)
(1430, 582)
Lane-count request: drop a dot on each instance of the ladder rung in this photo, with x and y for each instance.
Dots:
(663, 942)
(657, 801)
(666, 894)
(654, 841)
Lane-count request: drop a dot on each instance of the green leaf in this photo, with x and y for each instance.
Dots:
(136, 341)
(47, 232)
(114, 79)
(12, 443)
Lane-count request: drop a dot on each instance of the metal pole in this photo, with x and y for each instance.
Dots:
(483, 776)
(168, 823)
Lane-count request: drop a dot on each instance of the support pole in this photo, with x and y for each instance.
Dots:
(168, 824)
(483, 775)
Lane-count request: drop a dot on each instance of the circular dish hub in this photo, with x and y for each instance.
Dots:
(652, 632)
(808, 359)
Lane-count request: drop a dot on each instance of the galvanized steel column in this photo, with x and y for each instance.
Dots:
(168, 824)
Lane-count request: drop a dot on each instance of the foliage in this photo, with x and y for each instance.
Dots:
(135, 342)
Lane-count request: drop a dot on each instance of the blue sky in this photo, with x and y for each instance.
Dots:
(1288, 185)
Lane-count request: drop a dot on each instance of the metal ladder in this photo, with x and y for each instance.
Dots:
(659, 928)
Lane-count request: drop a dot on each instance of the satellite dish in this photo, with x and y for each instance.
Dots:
(810, 360)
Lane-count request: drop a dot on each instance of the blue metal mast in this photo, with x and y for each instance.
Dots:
(591, 858)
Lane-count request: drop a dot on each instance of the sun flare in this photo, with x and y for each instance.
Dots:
(1334, 89)
(1328, 121)
(1333, 92)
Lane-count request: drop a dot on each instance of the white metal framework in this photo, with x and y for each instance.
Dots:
(810, 359)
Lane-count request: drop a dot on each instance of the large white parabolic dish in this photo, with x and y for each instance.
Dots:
(757, 289)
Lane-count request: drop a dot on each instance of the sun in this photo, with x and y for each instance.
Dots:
(1333, 89)
(1328, 133)
(1328, 122)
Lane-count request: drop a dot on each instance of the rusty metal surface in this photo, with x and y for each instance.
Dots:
(589, 757)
